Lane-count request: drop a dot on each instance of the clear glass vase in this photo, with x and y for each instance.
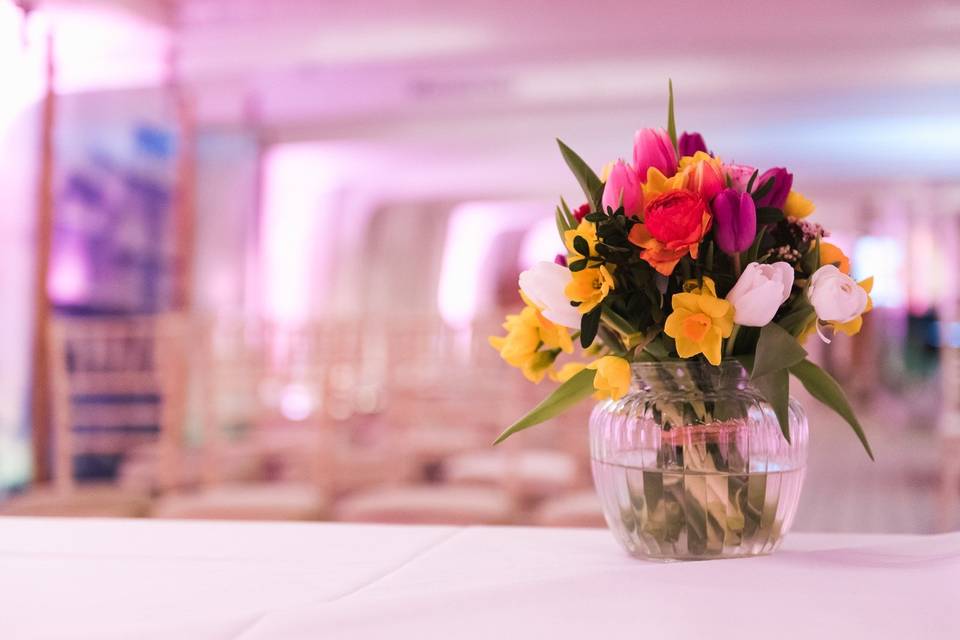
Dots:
(691, 463)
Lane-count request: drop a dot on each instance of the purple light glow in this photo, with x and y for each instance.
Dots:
(466, 284)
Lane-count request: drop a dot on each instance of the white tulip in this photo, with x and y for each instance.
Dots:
(543, 284)
(759, 292)
(835, 296)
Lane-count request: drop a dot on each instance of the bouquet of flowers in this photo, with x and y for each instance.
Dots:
(682, 255)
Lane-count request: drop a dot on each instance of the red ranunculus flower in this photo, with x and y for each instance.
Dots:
(673, 226)
(581, 212)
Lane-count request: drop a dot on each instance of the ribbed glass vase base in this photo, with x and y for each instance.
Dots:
(688, 515)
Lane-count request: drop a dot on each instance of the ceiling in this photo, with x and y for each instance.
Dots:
(499, 78)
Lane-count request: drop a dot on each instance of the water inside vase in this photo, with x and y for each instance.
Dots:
(689, 514)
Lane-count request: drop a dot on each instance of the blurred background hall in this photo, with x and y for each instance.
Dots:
(251, 251)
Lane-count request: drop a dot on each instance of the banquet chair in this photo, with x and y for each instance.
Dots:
(246, 364)
(427, 421)
(576, 509)
(117, 384)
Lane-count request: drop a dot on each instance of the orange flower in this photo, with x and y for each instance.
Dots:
(832, 254)
(674, 224)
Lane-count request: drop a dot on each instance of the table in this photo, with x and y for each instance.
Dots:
(144, 579)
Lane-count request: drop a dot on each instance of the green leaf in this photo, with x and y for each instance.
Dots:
(578, 265)
(580, 246)
(561, 224)
(568, 215)
(811, 261)
(754, 251)
(824, 388)
(753, 177)
(589, 325)
(588, 180)
(764, 188)
(671, 121)
(775, 388)
(777, 350)
(798, 319)
(563, 397)
(769, 215)
(620, 323)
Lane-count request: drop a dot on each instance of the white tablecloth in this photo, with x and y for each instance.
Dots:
(138, 579)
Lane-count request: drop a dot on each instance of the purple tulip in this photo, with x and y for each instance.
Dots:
(776, 196)
(560, 259)
(690, 143)
(735, 221)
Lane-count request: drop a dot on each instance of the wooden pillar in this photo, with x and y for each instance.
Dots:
(40, 395)
(184, 208)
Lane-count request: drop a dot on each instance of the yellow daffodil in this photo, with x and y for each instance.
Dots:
(589, 287)
(552, 335)
(536, 367)
(853, 327)
(797, 206)
(613, 376)
(527, 332)
(522, 339)
(700, 321)
(567, 371)
(586, 230)
(658, 184)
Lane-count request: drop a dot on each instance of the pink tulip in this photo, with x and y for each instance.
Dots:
(739, 175)
(653, 148)
(623, 189)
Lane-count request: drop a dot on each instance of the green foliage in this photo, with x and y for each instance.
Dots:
(589, 325)
(588, 180)
(769, 215)
(824, 388)
(776, 350)
(563, 397)
(671, 120)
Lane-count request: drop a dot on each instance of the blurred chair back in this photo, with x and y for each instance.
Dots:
(117, 383)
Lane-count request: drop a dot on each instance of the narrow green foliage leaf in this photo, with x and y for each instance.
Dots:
(578, 265)
(811, 261)
(798, 319)
(588, 180)
(775, 388)
(589, 325)
(777, 350)
(824, 388)
(671, 120)
(568, 215)
(753, 178)
(561, 224)
(619, 322)
(754, 251)
(769, 215)
(764, 188)
(563, 397)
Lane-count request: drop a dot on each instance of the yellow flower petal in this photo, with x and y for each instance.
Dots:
(711, 346)
(797, 206)
(687, 348)
(567, 371)
(613, 376)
